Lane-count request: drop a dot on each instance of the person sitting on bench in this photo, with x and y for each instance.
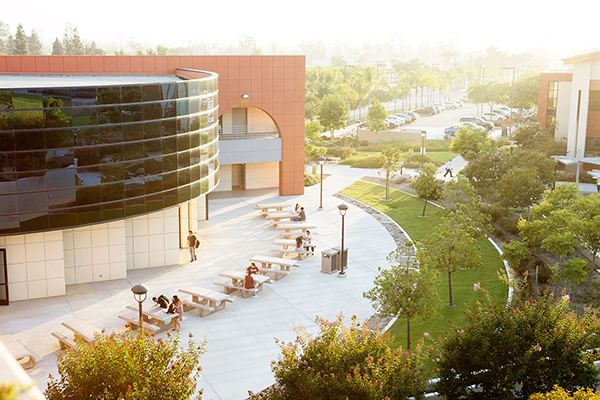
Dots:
(308, 242)
(301, 215)
(249, 282)
(252, 269)
(162, 301)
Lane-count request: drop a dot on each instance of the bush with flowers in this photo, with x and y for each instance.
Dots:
(346, 362)
(513, 351)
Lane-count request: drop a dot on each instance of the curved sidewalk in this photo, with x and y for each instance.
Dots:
(241, 342)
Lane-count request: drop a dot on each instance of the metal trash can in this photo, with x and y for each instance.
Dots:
(329, 261)
(344, 255)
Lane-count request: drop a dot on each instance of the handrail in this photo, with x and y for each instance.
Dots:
(239, 132)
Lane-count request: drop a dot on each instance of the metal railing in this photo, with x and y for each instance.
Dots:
(238, 132)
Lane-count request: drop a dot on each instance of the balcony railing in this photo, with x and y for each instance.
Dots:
(239, 132)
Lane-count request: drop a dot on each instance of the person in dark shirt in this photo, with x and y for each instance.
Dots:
(249, 282)
(161, 301)
(302, 214)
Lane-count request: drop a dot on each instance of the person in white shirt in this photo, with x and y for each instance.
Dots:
(448, 169)
(308, 242)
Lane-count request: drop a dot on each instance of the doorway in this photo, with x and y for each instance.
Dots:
(3, 279)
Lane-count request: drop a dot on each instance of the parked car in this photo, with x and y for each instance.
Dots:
(450, 131)
(440, 106)
(391, 124)
(494, 117)
(507, 111)
(487, 125)
(412, 114)
(407, 116)
(451, 105)
(457, 101)
(427, 110)
(398, 120)
(531, 117)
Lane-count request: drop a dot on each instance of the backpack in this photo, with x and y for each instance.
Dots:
(197, 242)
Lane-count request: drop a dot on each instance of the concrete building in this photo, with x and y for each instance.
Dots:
(571, 99)
(108, 161)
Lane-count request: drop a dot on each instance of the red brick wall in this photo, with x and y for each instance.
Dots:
(545, 78)
(275, 84)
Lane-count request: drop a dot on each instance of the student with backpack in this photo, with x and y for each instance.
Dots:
(192, 244)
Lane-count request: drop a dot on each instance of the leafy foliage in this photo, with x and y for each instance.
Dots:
(512, 351)
(128, 366)
(333, 112)
(389, 159)
(406, 289)
(376, 117)
(347, 362)
(469, 143)
(459, 196)
(426, 185)
(561, 394)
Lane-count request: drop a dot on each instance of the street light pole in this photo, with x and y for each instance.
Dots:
(343, 208)
(321, 162)
(512, 93)
(139, 294)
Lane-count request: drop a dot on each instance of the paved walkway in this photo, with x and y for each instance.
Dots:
(241, 342)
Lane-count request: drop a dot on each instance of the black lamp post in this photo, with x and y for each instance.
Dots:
(423, 134)
(343, 208)
(139, 294)
(321, 162)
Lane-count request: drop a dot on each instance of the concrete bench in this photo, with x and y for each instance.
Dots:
(26, 357)
(278, 274)
(230, 288)
(64, 341)
(203, 309)
(134, 322)
(283, 252)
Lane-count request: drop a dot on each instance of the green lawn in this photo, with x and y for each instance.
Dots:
(440, 156)
(406, 210)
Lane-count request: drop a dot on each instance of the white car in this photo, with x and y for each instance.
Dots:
(494, 117)
(398, 120)
(451, 105)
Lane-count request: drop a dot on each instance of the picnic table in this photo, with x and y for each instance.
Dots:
(281, 215)
(82, 329)
(265, 207)
(20, 351)
(205, 300)
(267, 263)
(155, 315)
(287, 227)
(237, 282)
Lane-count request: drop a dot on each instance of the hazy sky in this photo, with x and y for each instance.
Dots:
(511, 25)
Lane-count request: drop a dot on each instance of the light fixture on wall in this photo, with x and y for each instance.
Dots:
(245, 96)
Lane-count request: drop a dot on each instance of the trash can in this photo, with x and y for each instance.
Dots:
(344, 255)
(329, 261)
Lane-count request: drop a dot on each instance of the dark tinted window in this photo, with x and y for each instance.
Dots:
(109, 95)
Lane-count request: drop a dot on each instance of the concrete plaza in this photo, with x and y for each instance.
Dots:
(240, 339)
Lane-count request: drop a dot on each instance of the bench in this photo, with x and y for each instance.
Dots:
(267, 262)
(64, 341)
(133, 323)
(276, 272)
(203, 309)
(301, 253)
(230, 288)
(26, 357)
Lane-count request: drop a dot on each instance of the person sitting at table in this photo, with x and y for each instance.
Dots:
(308, 242)
(252, 269)
(297, 208)
(178, 304)
(301, 215)
(161, 301)
(249, 282)
(299, 247)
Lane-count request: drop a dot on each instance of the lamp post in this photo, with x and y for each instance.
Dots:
(139, 294)
(512, 93)
(423, 134)
(321, 162)
(343, 208)
(512, 142)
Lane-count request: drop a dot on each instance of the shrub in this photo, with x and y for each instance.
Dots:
(516, 350)
(561, 394)
(347, 362)
(128, 366)
(359, 161)
(311, 179)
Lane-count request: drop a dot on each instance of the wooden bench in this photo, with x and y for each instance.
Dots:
(203, 309)
(133, 324)
(26, 357)
(230, 288)
(64, 341)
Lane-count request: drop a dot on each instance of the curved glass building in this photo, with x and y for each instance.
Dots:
(84, 150)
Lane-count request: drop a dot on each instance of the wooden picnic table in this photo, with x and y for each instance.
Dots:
(240, 276)
(265, 207)
(287, 227)
(281, 215)
(212, 298)
(20, 351)
(83, 329)
(155, 315)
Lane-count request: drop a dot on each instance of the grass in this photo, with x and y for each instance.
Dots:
(440, 156)
(406, 210)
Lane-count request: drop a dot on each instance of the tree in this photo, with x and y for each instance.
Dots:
(312, 131)
(93, 50)
(405, 290)
(20, 46)
(533, 137)
(459, 196)
(450, 248)
(67, 42)
(376, 118)
(128, 366)
(426, 185)
(493, 93)
(34, 43)
(77, 48)
(333, 113)
(389, 159)
(512, 351)
(485, 170)
(347, 362)
(526, 91)
(57, 48)
(469, 143)
(162, 50)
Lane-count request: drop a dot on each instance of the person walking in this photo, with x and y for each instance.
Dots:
(448, 168)
(192, 244)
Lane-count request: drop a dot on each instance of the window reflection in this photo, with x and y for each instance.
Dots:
(27, 98)
(168, 91)
(88, 176)
(83, 116)
(131, 94)
(113, 191)
(61, 198)
(84, 96)
(182, 90)
(56, 159)
(31, 161)
(109, 95)
(86, 136)
(60, 179)
(30, 119)
(88, 195)
(154, 184)
(58, 138)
